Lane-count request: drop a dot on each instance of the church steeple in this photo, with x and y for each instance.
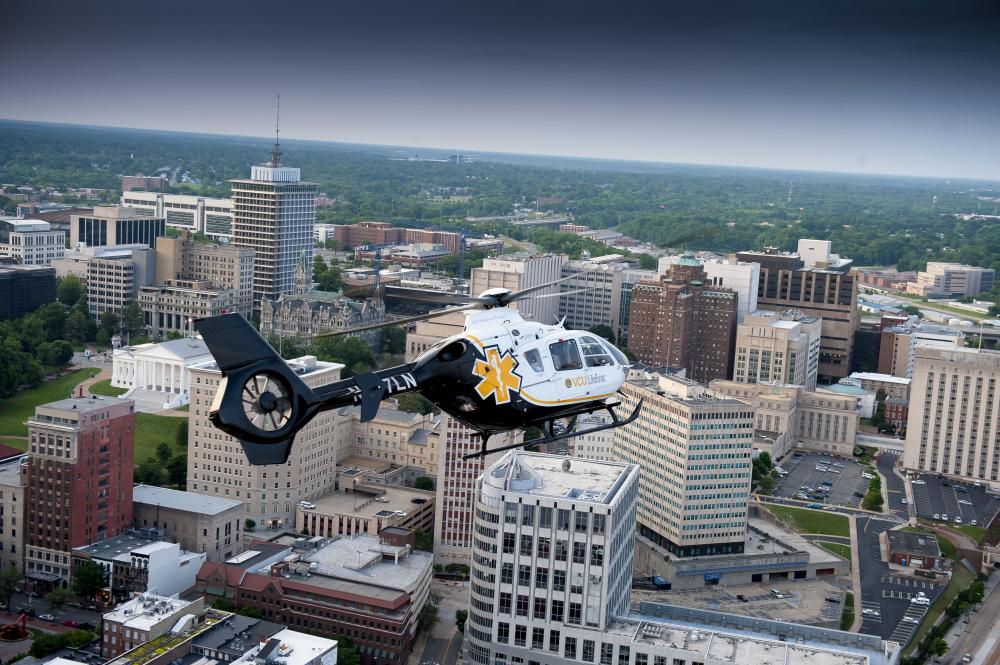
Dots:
(301, 278)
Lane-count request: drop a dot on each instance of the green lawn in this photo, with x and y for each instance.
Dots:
(948, 548)
(813, 521)
(21, 406)
(151, 430)
(847, 618)
(960, 579)
(843, 551)
(974, 532)
(105, 388)
(20, 444)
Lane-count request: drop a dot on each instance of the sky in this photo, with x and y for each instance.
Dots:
(900, 87)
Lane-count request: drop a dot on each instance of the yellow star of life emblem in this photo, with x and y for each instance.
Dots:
(497, 372)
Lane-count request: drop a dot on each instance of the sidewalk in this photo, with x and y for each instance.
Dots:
(855, 575)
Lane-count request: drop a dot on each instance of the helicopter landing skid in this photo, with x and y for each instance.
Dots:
(549, 435)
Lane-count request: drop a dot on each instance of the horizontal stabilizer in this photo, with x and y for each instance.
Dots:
(268, 453)
(233, 342)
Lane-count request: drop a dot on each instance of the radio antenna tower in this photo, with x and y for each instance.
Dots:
(276, 152)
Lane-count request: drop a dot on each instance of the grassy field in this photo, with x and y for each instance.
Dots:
(948, 549)
(843, 551)
(813, 521)
(105, 388)
(18, 408)
(151, 430)
(960, 579)
(20, 444)
(974, 532)
(847, 618)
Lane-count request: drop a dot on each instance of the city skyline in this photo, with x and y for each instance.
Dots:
(886, 88)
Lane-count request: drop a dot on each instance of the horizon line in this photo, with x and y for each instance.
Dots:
(471, 152)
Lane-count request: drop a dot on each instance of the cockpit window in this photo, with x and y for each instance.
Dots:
(618, 355)
(594, 353)
(534, 359)
(565, 355)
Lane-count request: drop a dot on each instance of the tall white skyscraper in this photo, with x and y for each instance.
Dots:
(273, 214)
(553, 552)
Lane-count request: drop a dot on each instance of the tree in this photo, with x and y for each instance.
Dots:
(415, 403)
(319, 267)
(423, 483)
(177, 471)
(181, 438)
(460, 618)
(55, 354)
(604, 331)
(428, 615)
(57, 598)
(249, 524)
(9, 579)
(88, 579)
(424, 542)
(109, 322)
(347, 653)
(70, 290)
(353, 352)
(393, 340)
(164, 452)
(150, 472)
(938, 647)
(132, 319)
(912, 310)
(78, 326)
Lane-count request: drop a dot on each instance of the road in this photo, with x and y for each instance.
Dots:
(895, 491)
(981, 634)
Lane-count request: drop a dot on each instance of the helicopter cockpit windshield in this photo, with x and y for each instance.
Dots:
(594, 353)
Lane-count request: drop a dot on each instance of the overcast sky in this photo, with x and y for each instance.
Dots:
(884, 87)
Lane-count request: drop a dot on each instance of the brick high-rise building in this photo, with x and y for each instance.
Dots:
(681, 322)
(815, 288)
(77, 481)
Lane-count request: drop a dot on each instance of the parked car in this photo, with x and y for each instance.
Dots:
(859, 495)
(937, 516)
(920, 600)
(815, 506)
(833, 600)
(958, 520)
(47, 617)
(973, 522)
(71, 623)
(918, 482)
(944, 516)
(912, 620)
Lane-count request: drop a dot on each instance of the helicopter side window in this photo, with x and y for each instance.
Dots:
(594, 353)
(534, 359)
(565, 355)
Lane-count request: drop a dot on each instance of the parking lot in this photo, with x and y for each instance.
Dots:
(843, 474)
(943, 499)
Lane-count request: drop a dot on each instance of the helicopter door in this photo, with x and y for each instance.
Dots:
(565, 355)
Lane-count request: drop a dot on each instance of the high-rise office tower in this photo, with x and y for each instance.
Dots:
(600, 293)
(523, 271)
(816, 284)
(115, 225)
(273, 214)
(217, 465)
(694, 448)
(954, 421)
(736, 275)
(682, 322)
(77, 481)
(553, 555)
(773, 347)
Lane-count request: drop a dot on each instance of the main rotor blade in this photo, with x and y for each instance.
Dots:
(427, 295)
(398, 322)
(519, 295)
(562, 293)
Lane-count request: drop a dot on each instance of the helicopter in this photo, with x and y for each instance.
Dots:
(500, 373)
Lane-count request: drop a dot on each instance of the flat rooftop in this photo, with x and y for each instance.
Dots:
(372, 501)
(560, 477)
(110, 548)
(186, 501)
(368, 464)
(360, 559)
(10, 470)
(746, 640)
(911, 542)
(874, 376)
(290, 647)
(84, 404)
(147, 610)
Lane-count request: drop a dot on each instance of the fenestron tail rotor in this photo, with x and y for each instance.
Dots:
(267, 403)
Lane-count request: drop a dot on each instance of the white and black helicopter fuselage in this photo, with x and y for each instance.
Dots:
(499, 373)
